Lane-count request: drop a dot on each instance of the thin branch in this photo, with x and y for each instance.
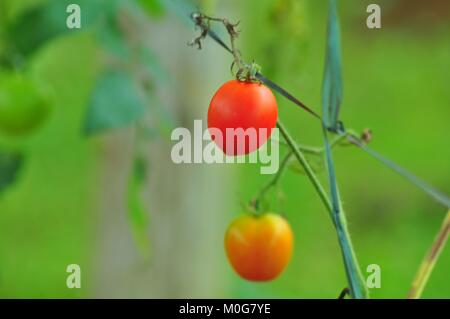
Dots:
(364, 139)
(309, 171)
(350, 261)
(434, 193)
(304, 148)
(313, 149)
(252, 71)
(430, 260)
(274, 180)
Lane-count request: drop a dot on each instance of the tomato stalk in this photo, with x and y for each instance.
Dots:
(251, 73)
(356, 281)
(304, 163)
(353, 271)
(287, 159)
(365, 138)
(273, 181)
(308, 149)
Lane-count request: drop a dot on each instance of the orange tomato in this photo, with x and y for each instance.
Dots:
(259, 247)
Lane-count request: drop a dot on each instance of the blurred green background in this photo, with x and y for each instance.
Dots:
(95, 185)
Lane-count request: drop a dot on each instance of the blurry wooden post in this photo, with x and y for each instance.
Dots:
(188, 203)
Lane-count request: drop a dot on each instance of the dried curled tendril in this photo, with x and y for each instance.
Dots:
(245, 71)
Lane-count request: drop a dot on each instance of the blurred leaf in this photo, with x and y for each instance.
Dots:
(4, 9)
(31, 29)
(110, 34)
(332, 82)
(35, 27)
(138, 216)
(207, 6)
(115, 102)
(154, 8)
(181, 8)
(289, 15)
(15, 8)
(161, 121)
(10, 164)
(154, 68)
(111, 38)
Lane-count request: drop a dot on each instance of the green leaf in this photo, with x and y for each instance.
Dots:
(150, 62)
(162, 122)
(180, 8)
(36, 26)
(137, 214)
(331, 99)
(10, 164)
(163, 119)
(39, 24)
(332, 82)
(112, 40)
(155, 8)
(109, 33)
(115, 102)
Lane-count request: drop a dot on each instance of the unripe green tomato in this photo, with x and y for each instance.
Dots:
(24, 105)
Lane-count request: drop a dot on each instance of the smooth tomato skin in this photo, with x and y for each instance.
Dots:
(259, 247)
(243, 105)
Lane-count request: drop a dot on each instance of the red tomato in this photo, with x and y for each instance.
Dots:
(259, 247)
(249, 109)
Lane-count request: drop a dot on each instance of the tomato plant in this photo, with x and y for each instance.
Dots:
(250, 243)
(259, 247)
(24, 105)
(242, 105)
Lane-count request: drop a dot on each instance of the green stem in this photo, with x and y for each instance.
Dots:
(427, 265)
(351, 266)
(273, 181)
(358, 288)
(354, 275)
(308, 170)
(317, 150)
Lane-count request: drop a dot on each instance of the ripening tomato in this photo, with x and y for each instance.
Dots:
(249, 109)
(259, 247)
(24, 105)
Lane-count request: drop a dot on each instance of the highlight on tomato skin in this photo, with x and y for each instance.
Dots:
(259, 247)
(243, 107)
